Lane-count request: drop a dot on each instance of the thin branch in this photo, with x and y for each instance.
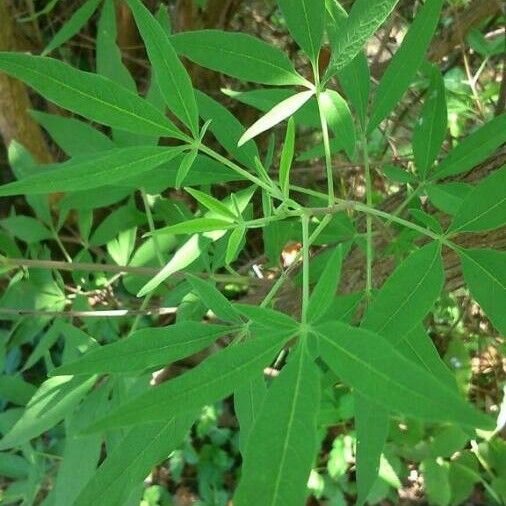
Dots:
(126, 269)
(111, 313)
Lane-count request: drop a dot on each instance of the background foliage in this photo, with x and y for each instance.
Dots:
(354, 252)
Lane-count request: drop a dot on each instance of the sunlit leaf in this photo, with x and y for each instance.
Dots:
(276, 115)
(237, 55)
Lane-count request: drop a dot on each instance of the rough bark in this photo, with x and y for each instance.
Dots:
(15, 121)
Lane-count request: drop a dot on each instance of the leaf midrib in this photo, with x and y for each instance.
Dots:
(94, 98)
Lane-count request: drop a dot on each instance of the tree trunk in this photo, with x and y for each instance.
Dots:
(15, 121)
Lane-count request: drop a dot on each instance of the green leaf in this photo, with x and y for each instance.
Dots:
(87, 172)
(108, 56)
(266, 318)
(339, 119)
(485, 274)
(373, 366)
(285, 164)
(418, 347)
(211, 203)
(145, 348)
(81, 453)
(408, 294)
(212, 380)
(13, 466)
(276, 115)
(448, 197)
(72, 26)
(264, 99)
(234, 243)
(248, 401)
(14, 389)
(437, 481)
(405, 63)
(371, 426)
(92, 96)
(132, 459)
(283, 441)
(191, 250)
(238, 55)
(214, 299)
(73, 136)
(326, 288)
(485, 207)
(398, 174)
(171, 76)
(427, 220)
(227, 129)
(430, 129)
(26, 228)
(366, 16)
(355, 76)
(54, 400)
(305, 20)
(474, 149)
(185, 166)
(196, 226)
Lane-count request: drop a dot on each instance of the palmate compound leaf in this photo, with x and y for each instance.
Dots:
(90, 171)
(485, 275)
(145, 348)
(132, 459)
(406, 61)
(173, 80)
(283, 441)
(90, 95)
(306, 21)
(215, 378)
(373, 367)
(238, 55)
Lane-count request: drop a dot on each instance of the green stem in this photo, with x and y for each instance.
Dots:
(305, 268)
(239, 170)
(328, 155)
(369, 238)
(151, 225)
(284, 275)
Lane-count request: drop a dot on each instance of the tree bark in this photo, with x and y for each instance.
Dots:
(15, 121)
